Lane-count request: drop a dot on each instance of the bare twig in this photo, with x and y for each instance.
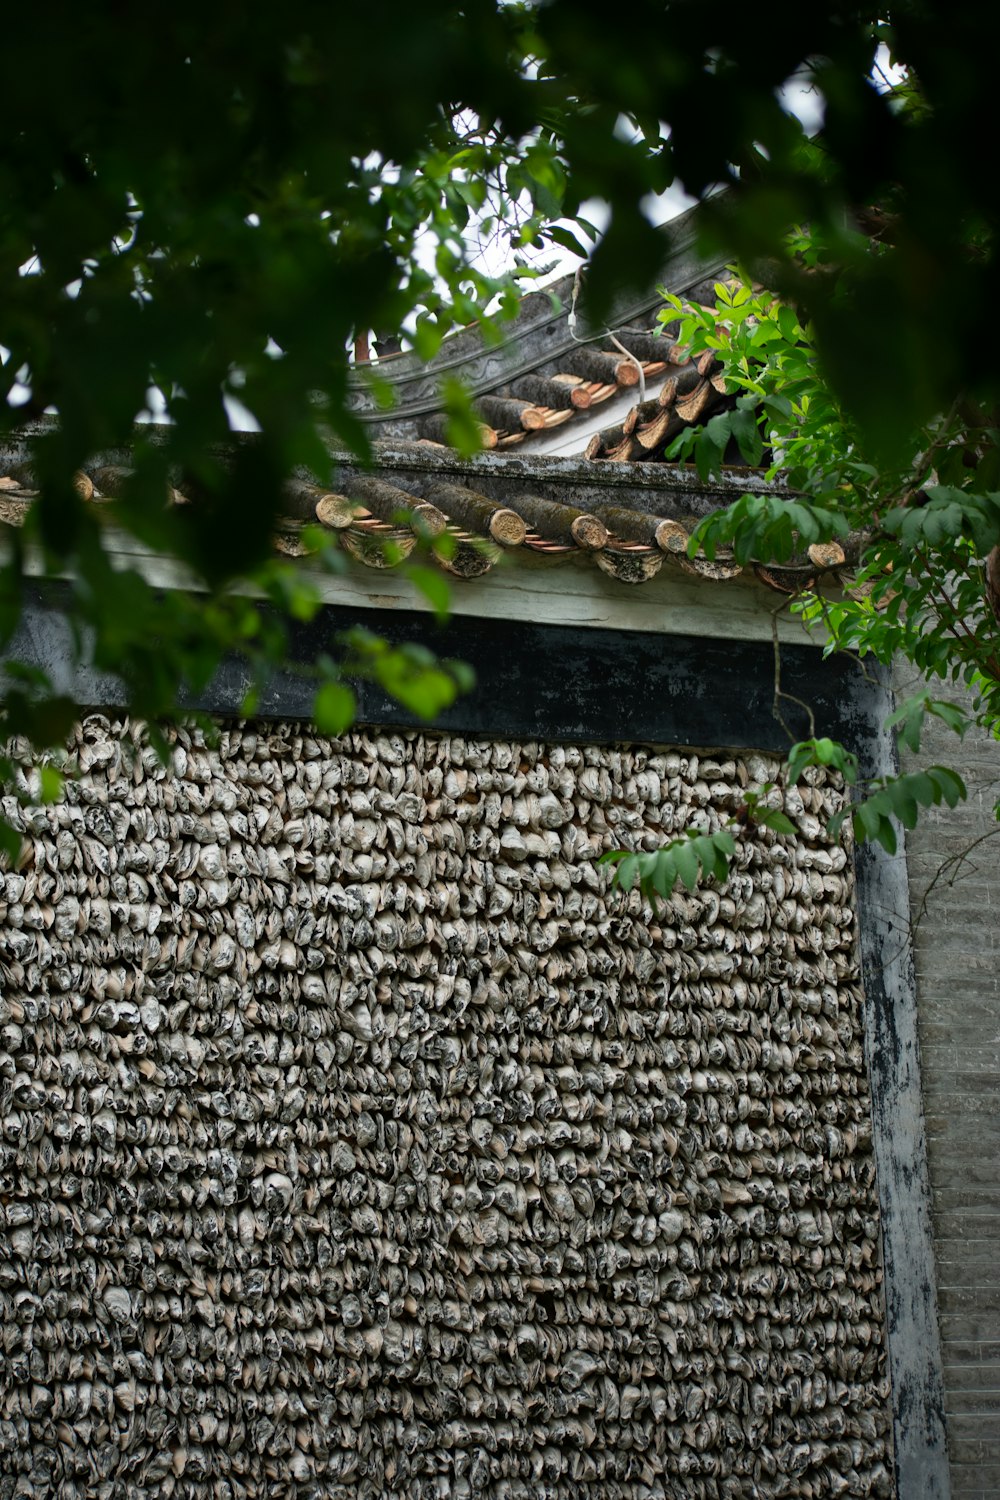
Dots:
(779, 692)
(605, 333)
(948, 871)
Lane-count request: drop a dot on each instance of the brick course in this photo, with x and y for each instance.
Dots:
(956, 944)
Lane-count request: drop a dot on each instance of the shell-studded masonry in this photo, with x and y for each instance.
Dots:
(358, 1141)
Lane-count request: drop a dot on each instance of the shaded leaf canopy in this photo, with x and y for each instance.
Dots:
(213, 207)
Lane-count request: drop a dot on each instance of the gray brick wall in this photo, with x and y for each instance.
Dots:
(956, 945)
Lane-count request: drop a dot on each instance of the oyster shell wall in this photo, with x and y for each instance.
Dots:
(355, 1140)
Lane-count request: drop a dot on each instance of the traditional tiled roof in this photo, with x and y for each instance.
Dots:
(628, 520)
(555, 373)
(614, 502)
(675, 392)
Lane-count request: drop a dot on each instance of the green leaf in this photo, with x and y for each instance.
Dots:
(886, 835)
(867, 820)
(799, 757)
(715, 861)
(687, 864)
(909, 716)
(950, 714)
(10, 842)
(778, 821)
(779, 406)
(836, 823)
(900, 798)
(724, 843)
(562, 236)
(433, 586)
(747, 434)
(664, 874)
(687, 860)
(908, 720)
(334, 708)
(427, 338)
(788, 324)
(461, 423)
(50, 784)
(821, 752)
(708, 456)
(953, 788)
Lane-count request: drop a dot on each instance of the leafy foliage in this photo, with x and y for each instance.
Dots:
(757, 812)
(925, 528)
(772, 527)
(900, 798)
(408, 672)
(821, 752)
(925, 525)
(699, 856)
(211, 211)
